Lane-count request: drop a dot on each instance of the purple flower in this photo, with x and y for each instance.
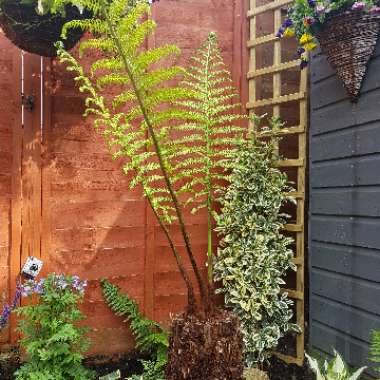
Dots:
(287, 23)
(7, 309)
(374, 9)
(311, 3)
(303, 64)
(320, 9)
(280, 32)
(78, 285)
(358, 5)
(39, 286)
(300, 51)
(27, 289)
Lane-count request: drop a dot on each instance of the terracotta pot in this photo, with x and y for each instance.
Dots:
(34, 33)
(348, 39)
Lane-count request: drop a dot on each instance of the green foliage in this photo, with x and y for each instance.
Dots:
(336, 369)
(213, 133)
(54, 344)
(151, 372)
(375, 349)
(136, 119)
(254, 254)
(150, 337)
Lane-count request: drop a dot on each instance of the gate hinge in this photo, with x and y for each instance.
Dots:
(28, 101)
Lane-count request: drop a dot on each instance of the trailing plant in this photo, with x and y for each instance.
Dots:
(138, 119)
(254, 254)
(336, 369)
(306, 17)
(375, 349)
(53, 342)
(213, 134)
(150, 337)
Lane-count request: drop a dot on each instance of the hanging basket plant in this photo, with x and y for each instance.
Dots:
(36, 33)
(347, 33)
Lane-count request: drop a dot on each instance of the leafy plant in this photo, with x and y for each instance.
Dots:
(254, 254)
(150, 337)
(151, 372)
(336, 369)
(138, 119)
(375, 349)
(213, 133)
(53, 342)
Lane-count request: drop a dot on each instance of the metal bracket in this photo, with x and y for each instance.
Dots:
(28, 101)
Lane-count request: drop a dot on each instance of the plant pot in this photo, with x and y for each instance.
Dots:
(205, 348)
(348, 39)
(34, 33)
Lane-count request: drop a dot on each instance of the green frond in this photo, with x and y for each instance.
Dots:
(152, 56)
(150, 337)
(111, 80)
(103, 44)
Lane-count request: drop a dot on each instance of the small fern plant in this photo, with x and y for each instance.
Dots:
(137, 119)
(336, 369)
(375, 349)
(151, 338)
(213, 134)
(254, 254)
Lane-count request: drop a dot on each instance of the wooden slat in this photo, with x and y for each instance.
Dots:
(293, 227)
(31, 165)
(290, 359)
(268, 7)
(293, 163)
(278, 100)
(16, 201)
(294, 294)
(273, 69)
(283, 132)
(298, 261)
(296, 195)
(253, 42)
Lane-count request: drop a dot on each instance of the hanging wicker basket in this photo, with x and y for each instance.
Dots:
(34, 33)
(348, 39)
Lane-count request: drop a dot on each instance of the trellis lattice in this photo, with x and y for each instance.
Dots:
(278, 87)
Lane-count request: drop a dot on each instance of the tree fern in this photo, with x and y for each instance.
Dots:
(150, 337)
(213, 133)
(137, 118)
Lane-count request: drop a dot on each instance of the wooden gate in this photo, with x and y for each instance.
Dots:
(278, 87)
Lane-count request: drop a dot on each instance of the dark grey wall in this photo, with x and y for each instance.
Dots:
(344, 216)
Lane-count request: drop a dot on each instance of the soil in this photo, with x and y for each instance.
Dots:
(128, 365)
(278, 370)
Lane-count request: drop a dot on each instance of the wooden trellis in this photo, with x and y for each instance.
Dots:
(282, 70)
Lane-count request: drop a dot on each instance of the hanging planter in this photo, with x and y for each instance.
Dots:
(347, 33)
(36, 33)
(348, 40)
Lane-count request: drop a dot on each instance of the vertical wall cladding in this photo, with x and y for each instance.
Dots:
(344, 212)
(7, 112)
(94, 225)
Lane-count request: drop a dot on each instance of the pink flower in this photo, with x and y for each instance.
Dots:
(374, 9)
(358, 5)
